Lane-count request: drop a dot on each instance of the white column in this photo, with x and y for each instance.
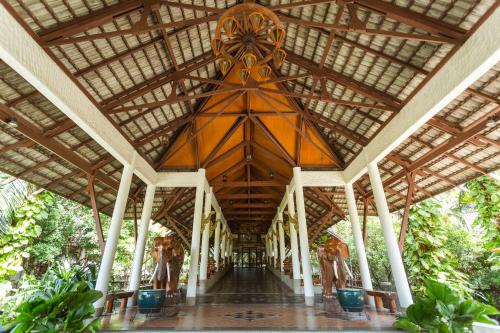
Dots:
(217, 240)
(398, 270)
(275, 245)
(195, 238)
(294, 246)
(223, 246)
(229, 247)
(147, 207)
(366, 280)
(281, 235)
(268, 251)
(304, 241)
(206, 237)
(108, 256)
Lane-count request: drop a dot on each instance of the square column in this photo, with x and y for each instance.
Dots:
(223, 246)
(206, 236)
(294, 245)
(195, 238)
(366, 280)
(397, 267)
(108, 256)
(217, 240)
(275, 245)
(303, 237)
(135, 274)
(281, 235)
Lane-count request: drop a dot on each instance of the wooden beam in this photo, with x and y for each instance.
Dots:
(95, 212)
(236, 125)
(157, 81)
(236, 196)
(410, 178)
(343, 80)
(135, 30)
(32, 132)
(367, 31)
(441, 149)
(365, 218)
(415, 19)
(91, 20)
(253, 183)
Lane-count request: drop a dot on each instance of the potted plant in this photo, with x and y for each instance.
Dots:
(351, 299)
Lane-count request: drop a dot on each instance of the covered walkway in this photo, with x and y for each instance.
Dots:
(251, 299)
(250, 286)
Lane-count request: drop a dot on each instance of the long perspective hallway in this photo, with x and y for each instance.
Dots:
(250, 286)
(250, 299)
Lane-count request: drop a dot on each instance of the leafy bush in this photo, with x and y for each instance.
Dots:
(62, 303)
(425, 252)
(443, 310)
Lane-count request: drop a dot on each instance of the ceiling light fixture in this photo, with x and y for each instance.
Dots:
(249, 35)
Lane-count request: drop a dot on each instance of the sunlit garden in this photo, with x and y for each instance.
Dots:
(49, 256)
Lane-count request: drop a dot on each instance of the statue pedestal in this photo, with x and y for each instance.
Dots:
(332, 306)
(170, 307)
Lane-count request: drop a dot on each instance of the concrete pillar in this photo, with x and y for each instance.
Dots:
(366, 280)
(223, 245)
(195, 238)
(398, 270)
(303, 238)
(275, 245)
(281, 235)
(217, 240)
(229, 248)
(108, 256)
(205, 248)
(294, 245)
(268, 249)
(135, 274)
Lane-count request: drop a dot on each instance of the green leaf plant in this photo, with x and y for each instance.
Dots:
(62, 304)
(443, 310)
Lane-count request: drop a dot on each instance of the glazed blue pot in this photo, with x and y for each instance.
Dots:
(151, 300)
(350, 299)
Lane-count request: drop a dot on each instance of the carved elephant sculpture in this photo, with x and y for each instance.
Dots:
(169, 256)
(331, 256)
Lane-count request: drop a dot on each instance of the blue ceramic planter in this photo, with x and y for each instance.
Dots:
(150, 301)
(350, 299)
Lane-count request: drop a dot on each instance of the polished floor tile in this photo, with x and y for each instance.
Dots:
(250, 299)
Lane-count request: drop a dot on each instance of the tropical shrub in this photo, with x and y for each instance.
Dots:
(62, 303)
(443, 310)
(425, 254)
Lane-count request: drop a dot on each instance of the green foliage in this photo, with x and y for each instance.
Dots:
(376, 252)
(484, 196)
(425, 255)
(14, 243)
(12, 193)
(442, 310)
(62, 302)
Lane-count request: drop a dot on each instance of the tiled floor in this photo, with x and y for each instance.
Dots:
(250, 299)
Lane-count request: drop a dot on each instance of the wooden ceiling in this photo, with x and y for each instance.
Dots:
(350, 67)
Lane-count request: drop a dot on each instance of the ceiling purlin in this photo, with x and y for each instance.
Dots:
(339, 78)
(166, 39)
(392, 11)
(157, 81)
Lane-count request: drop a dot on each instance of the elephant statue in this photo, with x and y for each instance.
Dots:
(331, 256)
(169, 256)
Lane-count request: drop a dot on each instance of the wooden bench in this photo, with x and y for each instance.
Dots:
(380, 295)
(123, 295)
